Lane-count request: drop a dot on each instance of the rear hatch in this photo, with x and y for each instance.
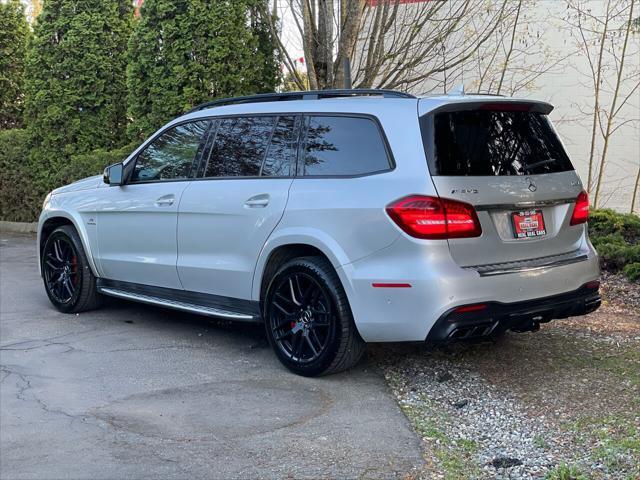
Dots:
(505, 159)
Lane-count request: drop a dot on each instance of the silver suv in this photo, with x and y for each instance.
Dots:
(335, 218)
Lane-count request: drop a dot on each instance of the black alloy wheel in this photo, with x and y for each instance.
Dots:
(68, 280)
(308, 319)
(60, 269)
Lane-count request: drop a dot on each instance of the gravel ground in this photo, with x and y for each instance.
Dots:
(565, 399)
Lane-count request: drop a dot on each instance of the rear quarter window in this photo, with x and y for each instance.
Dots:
(490, 143)
(343, 146)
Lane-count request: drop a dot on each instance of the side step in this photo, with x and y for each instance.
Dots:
(177, 305)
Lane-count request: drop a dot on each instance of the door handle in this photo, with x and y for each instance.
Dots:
(257, 201)
(165, 200)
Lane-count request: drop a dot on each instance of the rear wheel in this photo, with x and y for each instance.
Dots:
(68, 280)
(308, 319)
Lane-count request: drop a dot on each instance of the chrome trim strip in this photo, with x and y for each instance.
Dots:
(520, 205)
(529, 265)
(187, 307)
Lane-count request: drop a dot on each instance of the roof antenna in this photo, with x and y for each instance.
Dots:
(459, 90)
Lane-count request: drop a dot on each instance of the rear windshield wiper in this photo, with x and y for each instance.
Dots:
(537, 164)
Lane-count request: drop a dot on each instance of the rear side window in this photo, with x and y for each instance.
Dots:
(343, 146)
(481, 142)
(252, 146)
(170, 156)
(239, 147)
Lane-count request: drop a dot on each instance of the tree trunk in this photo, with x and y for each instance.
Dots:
(596, 108)
(635, 192)
(614, 102)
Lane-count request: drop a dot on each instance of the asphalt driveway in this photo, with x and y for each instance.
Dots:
(140, 392)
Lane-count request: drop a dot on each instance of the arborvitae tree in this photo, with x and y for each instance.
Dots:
(76, 81)
(14, 36)
(184, 53)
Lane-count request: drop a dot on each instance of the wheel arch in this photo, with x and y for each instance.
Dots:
(285, 247)
(52, 220)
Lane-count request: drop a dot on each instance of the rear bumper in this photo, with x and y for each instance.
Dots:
(492, 318)
(438, 285)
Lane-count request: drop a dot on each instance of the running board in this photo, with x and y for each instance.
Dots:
(177, 305)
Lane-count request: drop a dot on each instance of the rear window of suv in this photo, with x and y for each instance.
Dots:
(487, 142)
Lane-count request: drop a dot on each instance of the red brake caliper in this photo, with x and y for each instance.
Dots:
(74, 269)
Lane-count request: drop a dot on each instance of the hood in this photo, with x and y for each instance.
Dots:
(84, 184)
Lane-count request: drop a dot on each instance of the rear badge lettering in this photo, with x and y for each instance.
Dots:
(464, 190)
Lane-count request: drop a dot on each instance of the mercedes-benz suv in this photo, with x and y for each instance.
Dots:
(335, 218)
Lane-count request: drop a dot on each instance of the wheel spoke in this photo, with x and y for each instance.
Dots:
(284, 335)
(300, 344)
(310, 343)
(281, 308)
(293, 295)
(56, 250)
(313, 334)
(53, 259)
(282, 297)
(69, 287)
(299, 289)
(52, 266)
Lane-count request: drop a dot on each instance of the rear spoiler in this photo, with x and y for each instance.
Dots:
(493, 104)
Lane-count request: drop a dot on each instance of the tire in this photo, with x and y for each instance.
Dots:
(68, 279)
(308, 320)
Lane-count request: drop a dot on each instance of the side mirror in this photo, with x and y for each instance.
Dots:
(113, 174)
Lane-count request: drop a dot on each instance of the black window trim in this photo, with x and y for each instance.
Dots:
(301, 126)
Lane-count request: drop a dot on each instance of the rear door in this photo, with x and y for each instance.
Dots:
(229, 211)
(505, 159)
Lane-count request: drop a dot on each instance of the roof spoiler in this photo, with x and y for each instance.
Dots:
(494, 104)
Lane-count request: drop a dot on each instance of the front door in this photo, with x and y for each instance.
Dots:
(137, 222)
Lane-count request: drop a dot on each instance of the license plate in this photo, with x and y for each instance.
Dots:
(528, 223)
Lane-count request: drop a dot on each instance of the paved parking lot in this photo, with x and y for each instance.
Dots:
(139, 392)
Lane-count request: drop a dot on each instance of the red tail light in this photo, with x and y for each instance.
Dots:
(435, 218)
(581, 209)
(476, 307)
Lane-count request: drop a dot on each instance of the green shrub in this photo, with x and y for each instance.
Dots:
(92, 163)
(19, 199)
(616, 237)
(632, 271)
(24, 184)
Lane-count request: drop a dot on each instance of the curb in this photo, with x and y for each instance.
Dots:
(18, 227)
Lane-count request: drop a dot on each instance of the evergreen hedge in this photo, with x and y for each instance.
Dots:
(75, 87)
(616, 237)
(14, 36)
(185, 53)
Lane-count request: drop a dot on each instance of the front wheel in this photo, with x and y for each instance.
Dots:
(308, 319)
(68, 280)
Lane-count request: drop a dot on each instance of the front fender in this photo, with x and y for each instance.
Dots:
(76, 219)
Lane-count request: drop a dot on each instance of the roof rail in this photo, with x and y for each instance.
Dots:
(304, 95)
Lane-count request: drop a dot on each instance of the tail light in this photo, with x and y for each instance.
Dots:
(435, 218)
(581, 209)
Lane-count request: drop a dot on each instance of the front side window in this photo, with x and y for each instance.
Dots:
(343, 146)
(486, 142)
(239, 147)
(170, 156)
